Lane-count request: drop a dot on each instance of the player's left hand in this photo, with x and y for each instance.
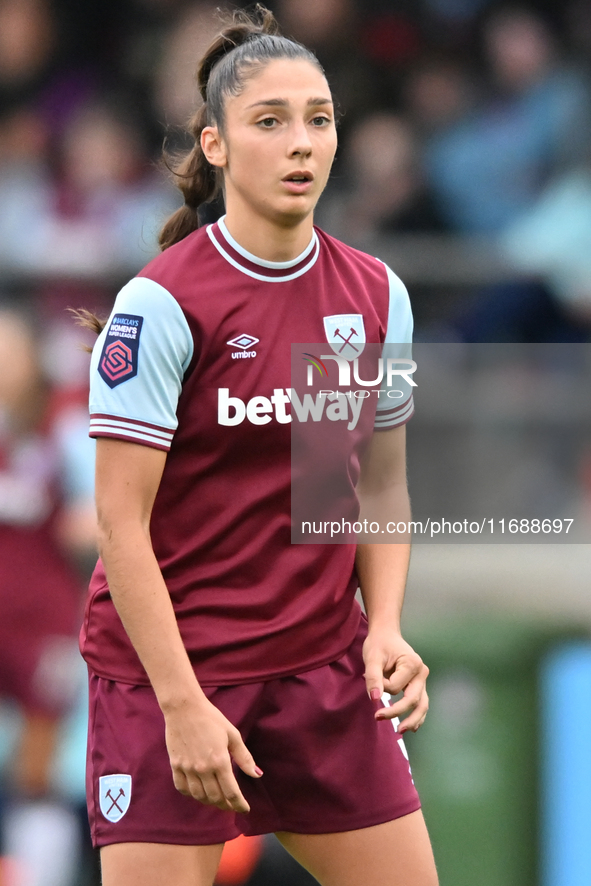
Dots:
(391, 665)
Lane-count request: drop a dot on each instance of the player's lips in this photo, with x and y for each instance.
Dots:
(298, 182)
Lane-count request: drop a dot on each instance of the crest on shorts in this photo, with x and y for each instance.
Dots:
(345, 333)
(114, 796)
(119, 358)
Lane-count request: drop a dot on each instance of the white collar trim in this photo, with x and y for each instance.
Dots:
(275, 265)
(313, 245)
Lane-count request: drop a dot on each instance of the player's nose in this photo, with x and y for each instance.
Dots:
(300, 142)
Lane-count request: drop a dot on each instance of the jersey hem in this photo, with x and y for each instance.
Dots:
(258, 678)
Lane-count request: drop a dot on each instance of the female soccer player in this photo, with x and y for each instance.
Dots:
(215, 646)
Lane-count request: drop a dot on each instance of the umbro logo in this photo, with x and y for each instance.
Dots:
(245, 343)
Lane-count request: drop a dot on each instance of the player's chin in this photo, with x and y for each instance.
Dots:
(296, 208)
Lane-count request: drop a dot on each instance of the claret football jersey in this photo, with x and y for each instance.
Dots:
(195, 361)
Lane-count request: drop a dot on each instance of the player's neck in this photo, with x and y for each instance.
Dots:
(266, 240)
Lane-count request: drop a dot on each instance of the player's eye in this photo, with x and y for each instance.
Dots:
(267, 122)
(320, 121)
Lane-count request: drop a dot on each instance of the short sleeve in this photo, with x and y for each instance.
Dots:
(395, 400)
(138, 365)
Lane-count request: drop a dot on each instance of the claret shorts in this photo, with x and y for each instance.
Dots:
(328, 765)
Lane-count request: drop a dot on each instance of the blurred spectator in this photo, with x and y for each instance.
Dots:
(518, 311)
(490, 166)
(579, 23)
(550, 246)
(333, 28)
(322, 25)
(175, 86)
(35, 71)
(439, 92)
(553, 241)
(456, 10)
(143, 43)
(23, 140)
(96, 213)
(385, 192)
(390, 40)
(28, 42)
(46, 521)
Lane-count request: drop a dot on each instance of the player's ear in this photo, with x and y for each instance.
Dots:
(214, 146)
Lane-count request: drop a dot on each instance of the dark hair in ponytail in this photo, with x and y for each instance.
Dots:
(242, 48)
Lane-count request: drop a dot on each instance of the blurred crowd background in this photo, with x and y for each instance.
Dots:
(464, 162)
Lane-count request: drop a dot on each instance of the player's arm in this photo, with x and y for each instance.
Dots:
(199, 738)
(136, 377)
(390, 663)
(127, 479)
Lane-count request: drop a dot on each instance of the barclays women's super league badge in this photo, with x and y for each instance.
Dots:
(119, 358)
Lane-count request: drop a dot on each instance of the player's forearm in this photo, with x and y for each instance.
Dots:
(382, 570)
(145, 608)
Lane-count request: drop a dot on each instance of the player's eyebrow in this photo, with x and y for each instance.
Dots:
(283, 102)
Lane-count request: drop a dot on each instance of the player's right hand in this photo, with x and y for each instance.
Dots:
(201, 743)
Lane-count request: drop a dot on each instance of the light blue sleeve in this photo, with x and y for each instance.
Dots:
(395, 401)
(136, 372)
